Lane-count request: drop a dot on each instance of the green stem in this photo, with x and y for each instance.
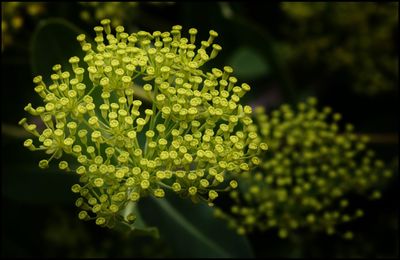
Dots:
(14, 131)
(140, 93)
(165, 185)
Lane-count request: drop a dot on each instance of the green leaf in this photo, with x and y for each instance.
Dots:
(248, 64)
(54, 42)
(191, 229)
(27, 183)
(259, 38)
(24, 181)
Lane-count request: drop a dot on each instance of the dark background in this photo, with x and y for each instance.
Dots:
(38, 216)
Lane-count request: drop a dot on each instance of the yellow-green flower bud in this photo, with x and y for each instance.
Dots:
(197, 134)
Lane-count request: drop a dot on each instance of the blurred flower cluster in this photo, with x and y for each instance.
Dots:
(13, 16)
(193, 140)
(308, 178)
(355, 39)
(117, 12)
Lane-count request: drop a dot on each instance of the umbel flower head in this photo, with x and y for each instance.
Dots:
(307, 178)
(192, 141)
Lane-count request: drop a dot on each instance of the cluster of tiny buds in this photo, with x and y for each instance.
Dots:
(309, 175)
(346, 46)
(194, 140)
(118, 12)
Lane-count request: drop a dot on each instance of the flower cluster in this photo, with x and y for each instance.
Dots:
(357, 40)
(13, 15)
(309, 176)
(192, 141)
(118, 12)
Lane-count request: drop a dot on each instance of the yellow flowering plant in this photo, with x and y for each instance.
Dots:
(194, 140)
(308, 177)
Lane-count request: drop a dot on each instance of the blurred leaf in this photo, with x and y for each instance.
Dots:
(191, 230)
(248, 64)
(54, 42)
(259, 38)
(24, 181)
(28, 183)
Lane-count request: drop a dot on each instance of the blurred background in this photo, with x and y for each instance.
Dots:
(345, 54)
